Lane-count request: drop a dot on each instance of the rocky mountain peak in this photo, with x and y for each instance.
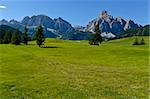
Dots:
(130, 24)
(103, 14)
(25, 20)
(38, 20)
(13, 21)
(62, 25)
(59, 19)
(3, 22)
(109, 24)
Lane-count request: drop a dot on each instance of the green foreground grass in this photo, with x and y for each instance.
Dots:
(75, 70)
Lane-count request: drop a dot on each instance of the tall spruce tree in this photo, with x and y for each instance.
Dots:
(25, 36)
(96, 38)
(2, 33)
(98, 34)
(16, 38)
(40, 36)
(136, 41)
(7, 37)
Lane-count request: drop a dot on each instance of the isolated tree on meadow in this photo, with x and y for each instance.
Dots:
(136, 41)
(25, 36)
(98, 34)
(142, 41)
(40, 36)
(7, 37)
(16, 38)
(96, 38)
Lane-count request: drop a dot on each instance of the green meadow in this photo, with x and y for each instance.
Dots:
(75, 70)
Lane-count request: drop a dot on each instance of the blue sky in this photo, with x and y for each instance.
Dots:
(77, 12)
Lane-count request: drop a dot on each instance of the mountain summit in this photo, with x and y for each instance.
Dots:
(109, 24)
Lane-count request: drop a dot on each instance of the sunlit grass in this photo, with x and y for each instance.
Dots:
(74, 70)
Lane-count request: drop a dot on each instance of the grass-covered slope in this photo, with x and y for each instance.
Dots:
(75, 70)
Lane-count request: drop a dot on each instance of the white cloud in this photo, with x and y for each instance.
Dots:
(2, 7)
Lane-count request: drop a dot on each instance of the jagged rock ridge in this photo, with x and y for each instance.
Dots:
(109, 24)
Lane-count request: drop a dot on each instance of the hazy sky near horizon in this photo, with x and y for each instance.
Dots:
(76, 12)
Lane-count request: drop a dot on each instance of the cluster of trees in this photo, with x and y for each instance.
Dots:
(140, 32)
(137, 42)
(16, 37)
(96, 38)
(9, 36)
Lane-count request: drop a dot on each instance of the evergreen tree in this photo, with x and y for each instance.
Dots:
(16, 39)
(1, 36)
(96, 38)
(136, 42)
(25, 36)
(142, 40)
(7, 37)
(40, 36)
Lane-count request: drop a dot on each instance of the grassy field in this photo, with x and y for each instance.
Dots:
(75, 70)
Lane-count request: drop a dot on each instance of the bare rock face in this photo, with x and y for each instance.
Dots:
(62, 25)
(4, 22)
(104, 16)
(116, 27)
(38, 20)
(25, 20)
(130, 24)
(105, 26)
(109, 24)
(91, 26)
(122, 21)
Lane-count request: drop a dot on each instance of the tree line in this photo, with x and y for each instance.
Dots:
(16, 37)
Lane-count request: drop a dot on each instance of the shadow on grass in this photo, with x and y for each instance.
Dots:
(50, 47)
(31, 44)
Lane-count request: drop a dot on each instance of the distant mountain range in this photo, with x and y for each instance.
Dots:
(62, 29)
(52, 28)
